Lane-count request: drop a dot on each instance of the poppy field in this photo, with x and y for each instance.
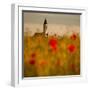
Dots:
(51, 55)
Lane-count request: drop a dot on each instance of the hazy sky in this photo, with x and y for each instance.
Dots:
(58, 23)
(52, 18)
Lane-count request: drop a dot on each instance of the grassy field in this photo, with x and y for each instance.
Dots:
(51, 55)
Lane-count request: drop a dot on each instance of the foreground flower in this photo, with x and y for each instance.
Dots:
(32, 62)
(71, 48)
(73, 37)
(33, 55)
(53, 44)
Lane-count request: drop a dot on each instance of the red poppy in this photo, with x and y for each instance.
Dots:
(32, 62)
(71, 48)
(73, 37)
(53, 44)
(33, 55)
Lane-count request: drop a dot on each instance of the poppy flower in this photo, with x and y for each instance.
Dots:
(32, 61)
(33, 55)
(71, 48)
(53, 44)
(73, 37)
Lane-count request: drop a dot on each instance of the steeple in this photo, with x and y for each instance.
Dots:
(45, 21)
(44, 26)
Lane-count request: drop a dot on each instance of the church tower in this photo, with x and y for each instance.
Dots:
(44, 26)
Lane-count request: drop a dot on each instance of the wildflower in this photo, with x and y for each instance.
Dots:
(71, 48)
(53, 44)
(33, 55)
(73, 37)
(32, 61)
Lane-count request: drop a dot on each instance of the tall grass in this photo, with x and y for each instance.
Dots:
(51, 55)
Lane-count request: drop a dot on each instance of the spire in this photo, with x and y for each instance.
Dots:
(45, 21)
